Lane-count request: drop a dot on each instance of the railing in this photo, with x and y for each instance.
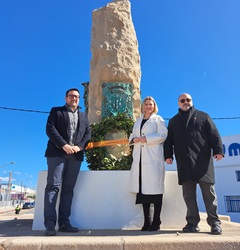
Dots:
(5, 204)
(232, 203)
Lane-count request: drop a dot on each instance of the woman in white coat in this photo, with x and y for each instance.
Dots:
(147, 171)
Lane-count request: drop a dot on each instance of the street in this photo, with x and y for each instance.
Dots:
(4, 213)
(12, 224)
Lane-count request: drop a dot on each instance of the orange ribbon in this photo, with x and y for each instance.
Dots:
(107, 143)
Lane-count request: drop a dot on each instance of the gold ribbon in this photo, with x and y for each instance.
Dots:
(107, 143)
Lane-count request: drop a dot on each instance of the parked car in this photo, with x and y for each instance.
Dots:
(28, 205)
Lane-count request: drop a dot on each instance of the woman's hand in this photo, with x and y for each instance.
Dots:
(143, 139)
(140, 139)
(136, 140)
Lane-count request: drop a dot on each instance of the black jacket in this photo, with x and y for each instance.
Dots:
(193, 142)
(58, 131)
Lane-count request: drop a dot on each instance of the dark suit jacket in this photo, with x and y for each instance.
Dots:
(58, 131)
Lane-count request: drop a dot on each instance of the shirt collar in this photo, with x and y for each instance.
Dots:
(70, 110)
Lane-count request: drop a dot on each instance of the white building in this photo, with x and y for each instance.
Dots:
(16, 192)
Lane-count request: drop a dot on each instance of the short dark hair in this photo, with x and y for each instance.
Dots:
(73, 89)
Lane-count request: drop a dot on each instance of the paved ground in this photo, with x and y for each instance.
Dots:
(16, 233)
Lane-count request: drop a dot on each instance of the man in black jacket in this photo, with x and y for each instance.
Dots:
(195, 141)
(69, 132)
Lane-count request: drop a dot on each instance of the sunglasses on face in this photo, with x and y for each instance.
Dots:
(184, 100)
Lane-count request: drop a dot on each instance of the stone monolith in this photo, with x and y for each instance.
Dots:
(115, 65)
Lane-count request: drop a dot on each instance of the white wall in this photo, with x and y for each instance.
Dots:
(102, 201)
(226, 185)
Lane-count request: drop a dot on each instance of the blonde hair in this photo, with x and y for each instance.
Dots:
(151, 99)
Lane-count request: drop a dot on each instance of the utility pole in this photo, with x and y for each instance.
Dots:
(9, 180)
(21, 191)
(9, 184)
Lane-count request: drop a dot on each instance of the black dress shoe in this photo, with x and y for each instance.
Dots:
(155, 226)
(216, 229)
(67, 227)
(50, 229)
(146, 226)
(190, 228)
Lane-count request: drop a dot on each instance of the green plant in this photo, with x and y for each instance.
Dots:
(97, 157)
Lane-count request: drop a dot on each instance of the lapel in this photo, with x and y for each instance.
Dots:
(146, 124)
(191, 114)
(80, 124)
(66, 119)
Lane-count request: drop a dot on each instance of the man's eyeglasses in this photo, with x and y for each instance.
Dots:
(184, 100)
(73, 96)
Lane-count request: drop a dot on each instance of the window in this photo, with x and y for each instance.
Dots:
(238, 175)
(232, 203)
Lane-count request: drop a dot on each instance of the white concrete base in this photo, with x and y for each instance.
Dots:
(102, 201)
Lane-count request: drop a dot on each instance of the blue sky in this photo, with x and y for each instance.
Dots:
(185, 46)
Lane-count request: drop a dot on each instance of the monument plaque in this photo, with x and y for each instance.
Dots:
(116, 98)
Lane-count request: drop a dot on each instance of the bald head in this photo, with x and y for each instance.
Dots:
(185, 101)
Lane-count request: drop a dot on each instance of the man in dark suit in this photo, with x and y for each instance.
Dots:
(69, 133)
(195, 141)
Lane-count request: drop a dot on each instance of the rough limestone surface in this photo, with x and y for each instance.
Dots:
(115, 55)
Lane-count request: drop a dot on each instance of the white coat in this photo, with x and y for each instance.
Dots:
(151, 153)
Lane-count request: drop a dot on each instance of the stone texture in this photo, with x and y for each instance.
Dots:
(115, 55)
(118, 150)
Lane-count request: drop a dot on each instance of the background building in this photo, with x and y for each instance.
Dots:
(13, 194)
